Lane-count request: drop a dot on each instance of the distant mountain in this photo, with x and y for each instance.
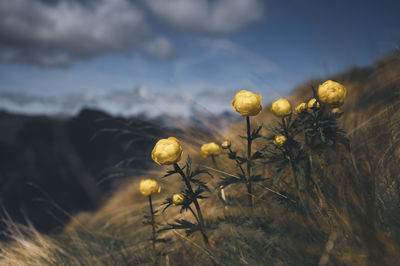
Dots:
(53, 167)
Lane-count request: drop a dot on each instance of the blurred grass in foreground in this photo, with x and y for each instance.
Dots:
(358, 222)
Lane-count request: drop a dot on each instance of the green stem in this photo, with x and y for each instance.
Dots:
(196, 203)
(290, 155)
(285, 129)
(214, 161)
(249, 140)
(153, 226)
(194, 214)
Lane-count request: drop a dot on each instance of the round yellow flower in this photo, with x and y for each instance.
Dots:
(210, 149)
(337, 111)
(281, 107)
(332, 93)
(310, 104)
(247, 103)
(167, 151)
(178, 198)
(226, 144)
(301, 107)
(280, 140)
(149, 187)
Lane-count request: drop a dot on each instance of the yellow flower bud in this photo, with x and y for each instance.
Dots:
(280, 140)
(210, 149)
(337, 111)
(332, 93)
(178, 198)
(226, 144)
(281, 107)
(149, 187)
(247, 103)
(167, 151)
(301, 107)
(310, 104)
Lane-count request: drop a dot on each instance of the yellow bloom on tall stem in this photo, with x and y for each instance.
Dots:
(247, 103)
(167, 151)
(281, 107)
(149, 187)
(332, 93)
(210, 149)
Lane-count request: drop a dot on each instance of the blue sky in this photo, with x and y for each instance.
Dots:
(169, 56)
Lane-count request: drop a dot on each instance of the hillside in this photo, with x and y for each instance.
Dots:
(351, 218)
(51, 168)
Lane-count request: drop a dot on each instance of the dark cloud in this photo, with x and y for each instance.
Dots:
(205, 16)
(59, 32)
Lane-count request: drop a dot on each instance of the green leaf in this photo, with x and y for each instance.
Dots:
(170, 172)
(256, 155)
(229, 180)
(277, 176)
(188, 166)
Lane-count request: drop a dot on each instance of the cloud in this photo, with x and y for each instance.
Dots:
(160, 47)
(206, 16)
(119, 102)
(59, 33)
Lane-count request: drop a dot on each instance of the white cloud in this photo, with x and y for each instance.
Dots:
(119, 102)
(160, 48)
(205, 16)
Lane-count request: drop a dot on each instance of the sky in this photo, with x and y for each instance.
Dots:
(179, 56)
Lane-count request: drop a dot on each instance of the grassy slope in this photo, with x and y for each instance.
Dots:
(362, 227)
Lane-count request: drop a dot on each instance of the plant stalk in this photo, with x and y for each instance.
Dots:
(214, 161)
(249, 141)
(196, 203)
(290, 154)
(153, 227)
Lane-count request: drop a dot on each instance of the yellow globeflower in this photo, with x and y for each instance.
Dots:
(280, 140)
(301, 107)
(167, 151)
(332, 93)
(149, 187)
(281, 107)
(210, 149)
(178, 198)
(247, 103)
(226, 144)
(310, 104)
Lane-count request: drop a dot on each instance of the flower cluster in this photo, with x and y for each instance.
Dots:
(313, 120)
